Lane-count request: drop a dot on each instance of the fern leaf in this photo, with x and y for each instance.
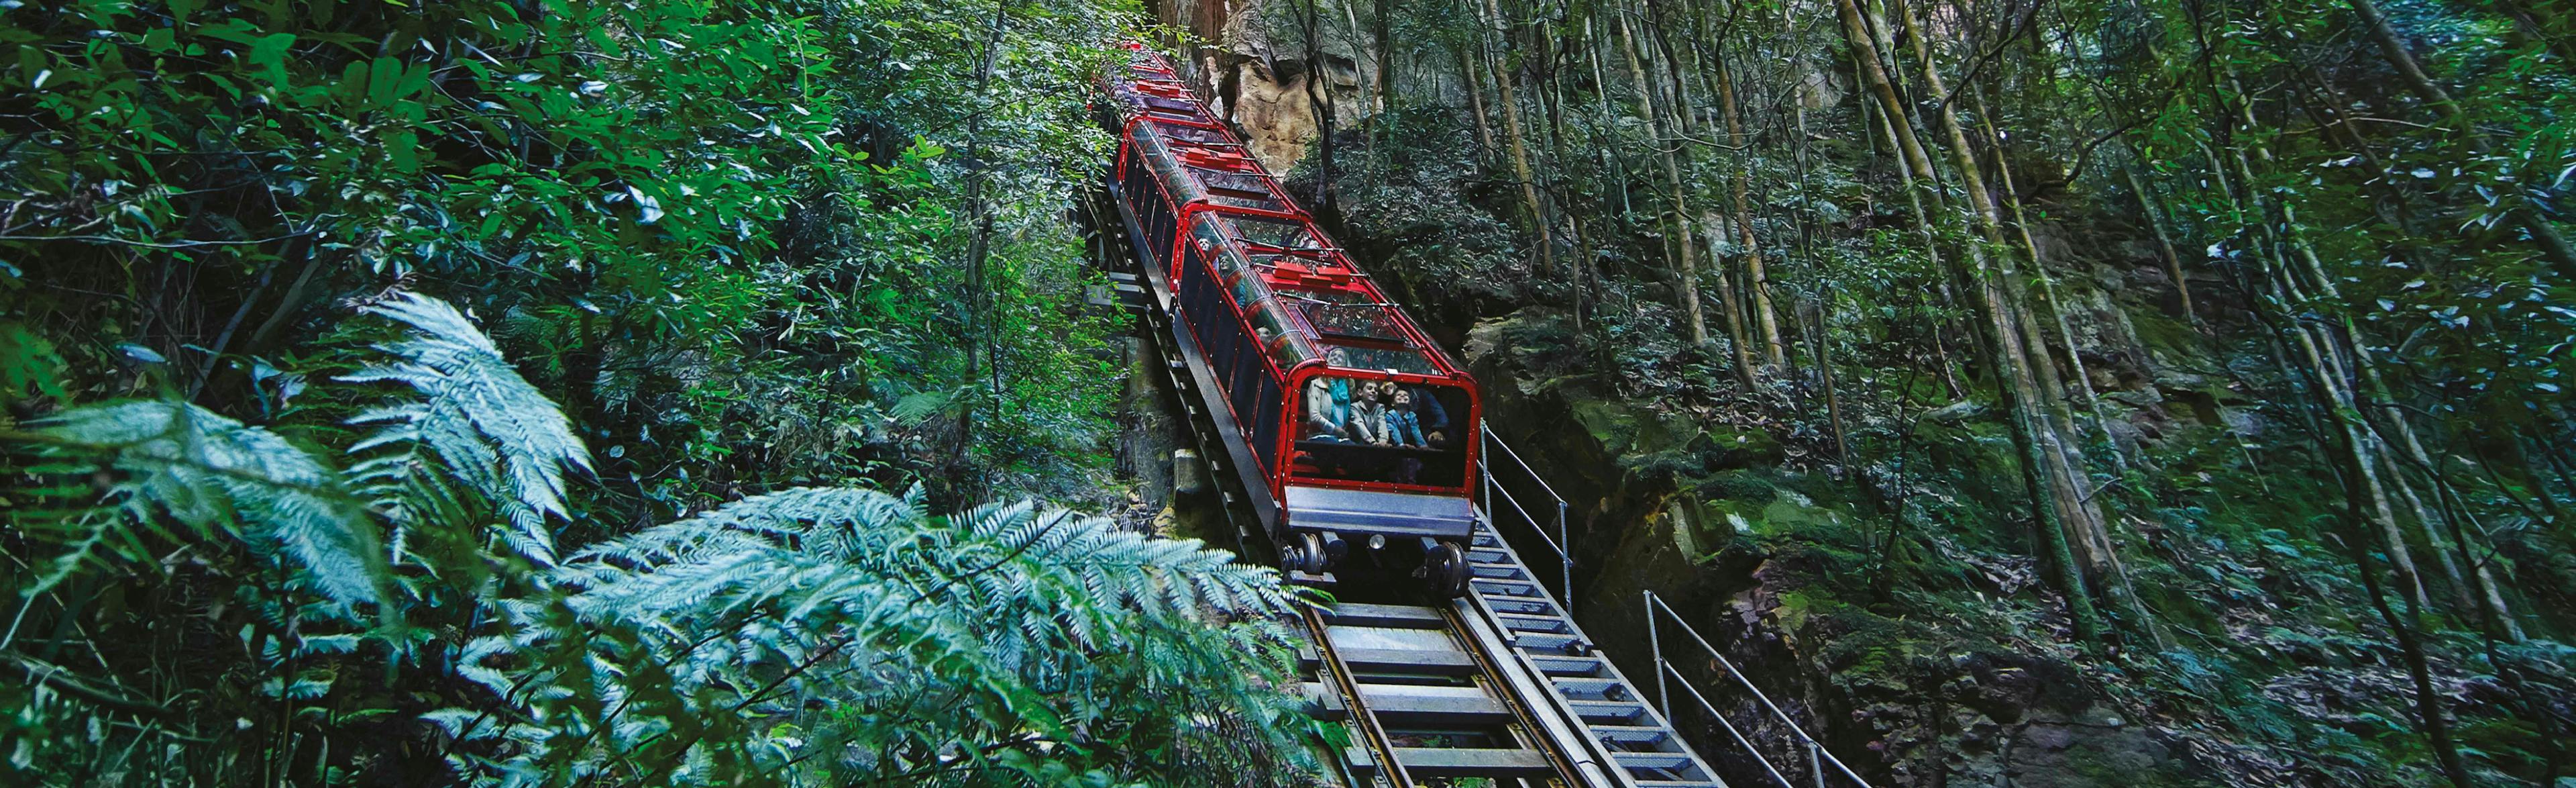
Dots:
(217, 474)
(490, 430)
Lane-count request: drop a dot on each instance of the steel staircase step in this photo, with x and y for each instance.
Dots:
(1608, 712)
(1591, 689)
(1527, 606)
(1549, 643)
(1556, 666)
(1642, 738)
(1550, 624)
(1656, 761)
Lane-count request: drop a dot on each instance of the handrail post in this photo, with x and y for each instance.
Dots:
(1565, 554)
(1815, 763)
(1485, 435)
(1655, 643)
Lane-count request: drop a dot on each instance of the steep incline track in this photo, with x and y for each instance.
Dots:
(1498, 684)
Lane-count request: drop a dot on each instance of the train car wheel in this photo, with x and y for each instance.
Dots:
(1313, 547)
(1447, 570)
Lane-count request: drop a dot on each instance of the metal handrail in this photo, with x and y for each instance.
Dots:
(1817, 757)
(1662, 667)
(1565, 559)
(1525, 468)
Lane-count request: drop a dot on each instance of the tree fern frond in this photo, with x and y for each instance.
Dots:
(490, 430)
(217, 474)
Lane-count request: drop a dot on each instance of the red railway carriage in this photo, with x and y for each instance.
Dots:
(1358, 424)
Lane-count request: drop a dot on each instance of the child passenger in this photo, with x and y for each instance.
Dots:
(1403, 426)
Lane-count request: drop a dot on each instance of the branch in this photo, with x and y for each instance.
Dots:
(108, 696)
(151, 244)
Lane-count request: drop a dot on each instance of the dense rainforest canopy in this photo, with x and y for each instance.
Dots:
(2077, 392)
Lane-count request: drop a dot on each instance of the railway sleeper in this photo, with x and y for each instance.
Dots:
(1387, 616)
(1474, 762)
(1463, 707)
(1394, 662)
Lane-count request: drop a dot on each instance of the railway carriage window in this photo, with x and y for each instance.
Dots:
(1354, 320)
(1364, 430)
(1390, 359)
(1238, 189)
(1277, 338)
(1276, 233)
(1203, 136)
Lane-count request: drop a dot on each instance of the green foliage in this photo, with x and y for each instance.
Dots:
(727, 237)
(477, 426)
(728, 233)
(216, 477)
(845, 635)
(814, 634)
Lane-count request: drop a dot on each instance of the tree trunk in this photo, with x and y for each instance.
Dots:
(2047, 283)
(2053, 501)
(1684, 245)
(1713, 228)
(2147, 204)
(1825, 368)
(1382, 28)
(1476, 99)
(2024, 355)
(1757, 279)
(1503, 78)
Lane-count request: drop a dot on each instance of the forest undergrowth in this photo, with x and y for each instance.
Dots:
(543, 393)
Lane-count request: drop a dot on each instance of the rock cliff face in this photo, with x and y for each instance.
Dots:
(1257, 66)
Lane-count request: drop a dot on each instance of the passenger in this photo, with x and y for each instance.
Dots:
(1328, 402)
(1368, 414)
(1430, 418)
(1328, 408)
(1403, 425)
